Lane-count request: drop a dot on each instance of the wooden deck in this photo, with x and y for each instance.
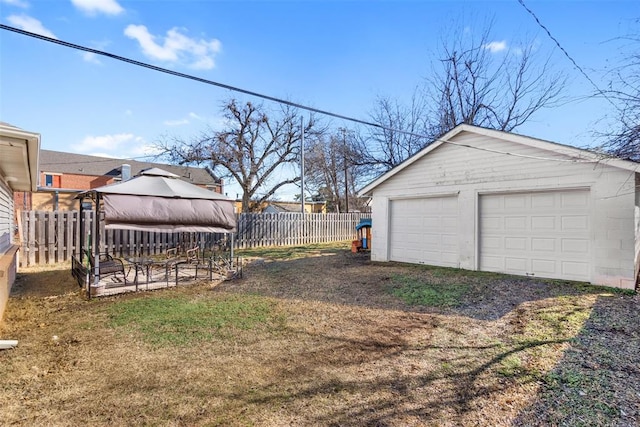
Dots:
(153, 276)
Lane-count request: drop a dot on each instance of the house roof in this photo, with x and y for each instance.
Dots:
(574, 154)
(82, 164)
(19, 157)
(284, 207)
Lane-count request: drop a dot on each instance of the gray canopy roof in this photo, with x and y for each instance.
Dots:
(156, 200)
(158, 182)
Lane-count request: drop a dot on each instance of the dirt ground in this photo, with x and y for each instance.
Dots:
(345, 351)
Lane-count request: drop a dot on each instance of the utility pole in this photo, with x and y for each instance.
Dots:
(344, 161)
(302, 162)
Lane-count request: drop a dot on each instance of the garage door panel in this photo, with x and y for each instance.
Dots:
(515, 223)
(543, 222)
(424, 231)
(515, 243)
(515, 201)
(546, 266)
(491, 243)
(449, 241)
(544, 234)
(542, 244)
(450, 259)
(450, 223)
(574, 222)
(489, 222)
(579, 246)
(512, 264)
(574, 269)
(543, 200)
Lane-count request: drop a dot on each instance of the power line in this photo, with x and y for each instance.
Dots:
(563, 50)
(195, 78)
(283, 101)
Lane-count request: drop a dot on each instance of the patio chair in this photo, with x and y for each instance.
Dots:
(192, 260)
(170, 262)
(108, 265)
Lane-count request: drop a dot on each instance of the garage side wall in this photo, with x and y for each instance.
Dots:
(637, 220)
(473, 165)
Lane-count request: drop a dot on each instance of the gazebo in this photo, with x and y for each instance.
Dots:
(153, 201)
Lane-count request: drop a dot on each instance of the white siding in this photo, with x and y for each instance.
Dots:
(6, 217)
(471, 171)
(637, 220)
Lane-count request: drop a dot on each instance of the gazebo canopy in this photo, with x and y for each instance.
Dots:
(157, 200)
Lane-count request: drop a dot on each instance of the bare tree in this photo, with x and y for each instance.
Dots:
(623, 140)
(486, 83)
(399, 135)
(474, 80)
(331, 174)
(252, 148)
(323, 160)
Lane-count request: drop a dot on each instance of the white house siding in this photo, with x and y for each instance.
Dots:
(6, 217)
(7, 252)
(637, 217)
(471, 172)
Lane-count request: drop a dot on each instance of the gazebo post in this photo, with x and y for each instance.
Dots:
(82, 227)
(96, 244)
(231, 248)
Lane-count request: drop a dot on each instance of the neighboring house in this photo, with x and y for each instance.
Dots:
(18, 172)
(62, 175)
(487, 200)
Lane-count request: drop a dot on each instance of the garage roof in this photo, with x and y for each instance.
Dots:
(573, 154)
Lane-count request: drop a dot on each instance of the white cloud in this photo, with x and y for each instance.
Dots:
(176, 47)
(176, 122)
(94, 58)
(495, 47)
(91, 57)
(93, 7)
(107, 142)
(143, 150)
(16, 3)
(30, 24)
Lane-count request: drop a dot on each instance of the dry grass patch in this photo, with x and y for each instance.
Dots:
(324, 337)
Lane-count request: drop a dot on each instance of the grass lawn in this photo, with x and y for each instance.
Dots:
(320, 336)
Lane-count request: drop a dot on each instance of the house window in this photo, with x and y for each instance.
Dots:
(52, 180)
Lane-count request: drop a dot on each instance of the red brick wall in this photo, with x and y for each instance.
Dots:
(21, 201)
(77, 182)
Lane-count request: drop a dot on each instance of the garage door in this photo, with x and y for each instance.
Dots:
(424, 231)
(543, 234)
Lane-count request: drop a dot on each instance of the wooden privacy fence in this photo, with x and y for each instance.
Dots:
(49, 237)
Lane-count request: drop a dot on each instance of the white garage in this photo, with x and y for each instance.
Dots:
(424, 231)
(481, 199)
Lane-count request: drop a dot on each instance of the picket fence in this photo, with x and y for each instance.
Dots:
(49, 237)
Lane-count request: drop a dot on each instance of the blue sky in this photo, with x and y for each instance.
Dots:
(333, 55)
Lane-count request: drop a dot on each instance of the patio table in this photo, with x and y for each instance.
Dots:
(141, 264)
